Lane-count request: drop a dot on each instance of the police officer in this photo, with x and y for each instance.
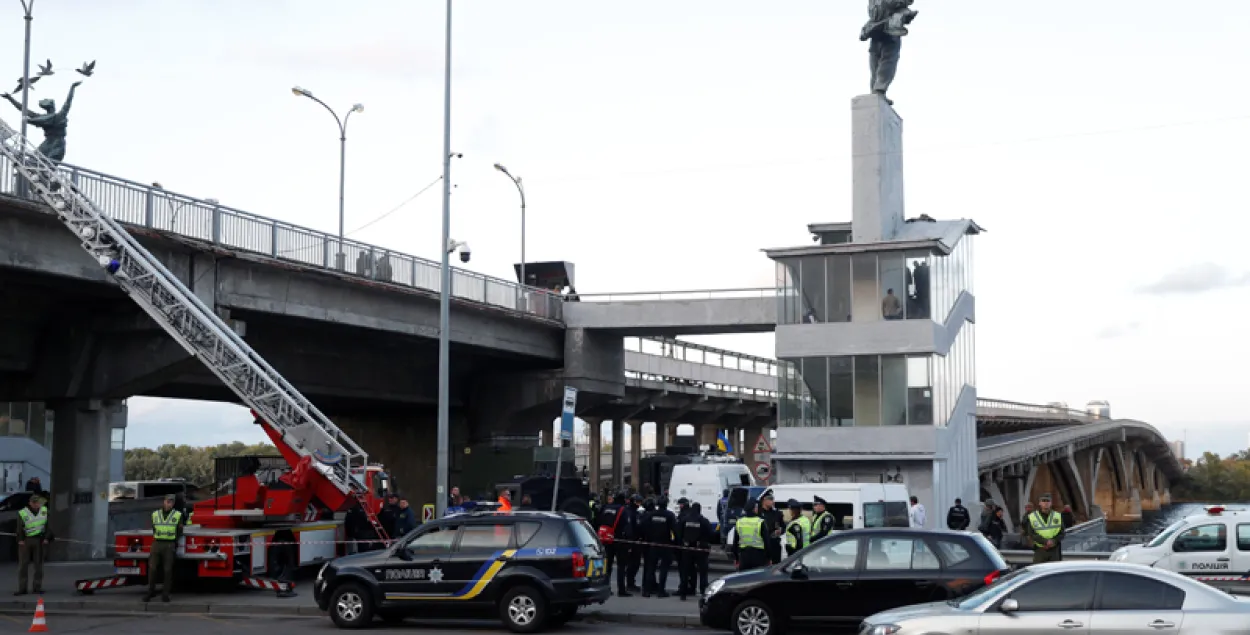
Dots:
(610, 516)
(773, 525)
(664, 560)
(958, 517)
(32, 535)
(657, 532)
(702, 559)
(696, 533)
(634, 549)
(166, 528)
(799, 529)
(823, 522)
(748, 544)
(1044, 531)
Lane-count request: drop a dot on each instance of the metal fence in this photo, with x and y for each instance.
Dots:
(207, 220)
(703, 367)
(1050, 411)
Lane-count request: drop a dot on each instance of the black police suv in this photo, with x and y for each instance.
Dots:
(530, 568)
(850, 575)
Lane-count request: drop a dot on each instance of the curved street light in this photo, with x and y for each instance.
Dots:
(340, 258)
(516, 180)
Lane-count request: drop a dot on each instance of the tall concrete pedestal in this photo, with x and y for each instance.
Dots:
(82, 452)
(877, 210)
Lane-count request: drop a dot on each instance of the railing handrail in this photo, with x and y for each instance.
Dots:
(1047, 409)
(773, 363)
(162, 191)
(637, 296)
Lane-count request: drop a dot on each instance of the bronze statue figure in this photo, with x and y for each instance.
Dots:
(886, 26)
(52, 122)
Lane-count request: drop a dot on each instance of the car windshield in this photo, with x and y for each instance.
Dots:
(978, 598)
(1166, 534)
(585, 537)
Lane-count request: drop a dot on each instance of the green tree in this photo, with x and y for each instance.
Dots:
(195, 464)
(1216, 480)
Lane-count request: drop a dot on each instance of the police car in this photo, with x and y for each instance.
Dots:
(532, 569)
(1213, 547)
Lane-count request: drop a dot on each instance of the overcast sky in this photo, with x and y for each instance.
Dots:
(663, 144)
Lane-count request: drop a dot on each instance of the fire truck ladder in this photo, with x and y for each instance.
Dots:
(184, 317)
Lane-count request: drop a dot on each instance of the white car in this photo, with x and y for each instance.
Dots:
(1213, 547)
(1089, 598)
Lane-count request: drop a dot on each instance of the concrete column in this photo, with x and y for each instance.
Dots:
(705, 434)
(635, 454)
(667, 436)
(877, 170)
(595, 427)
(81, 461)
(618, 455)
(544, 437)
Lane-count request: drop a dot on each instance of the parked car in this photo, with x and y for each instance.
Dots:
(1093, 598)
(531, 569)
(853, 574)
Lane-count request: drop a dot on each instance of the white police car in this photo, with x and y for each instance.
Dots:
(1213, 547)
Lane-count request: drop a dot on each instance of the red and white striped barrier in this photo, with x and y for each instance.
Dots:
(266, 584)
(103, 583)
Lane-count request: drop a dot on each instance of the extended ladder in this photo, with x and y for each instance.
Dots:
(181, 314)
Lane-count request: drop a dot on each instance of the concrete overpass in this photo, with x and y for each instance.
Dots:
(358, 335)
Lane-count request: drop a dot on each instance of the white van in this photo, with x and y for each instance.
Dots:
(1212, 547)
(859, 505)
(705, 483)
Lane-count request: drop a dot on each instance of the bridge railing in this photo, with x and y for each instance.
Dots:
(700, 294)
(207, 220)
(1041, 411)
(700, 371)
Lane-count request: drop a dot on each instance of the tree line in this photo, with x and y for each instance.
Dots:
(1212, 479)
(194, 464)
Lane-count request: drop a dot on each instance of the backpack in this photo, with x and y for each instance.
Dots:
(607, 535)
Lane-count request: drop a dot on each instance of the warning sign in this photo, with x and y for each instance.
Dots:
(762, 472)
(763, 444)
(427, 512)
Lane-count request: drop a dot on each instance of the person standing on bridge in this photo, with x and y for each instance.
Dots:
(1044, 532)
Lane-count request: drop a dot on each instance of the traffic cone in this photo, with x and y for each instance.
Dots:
(40, 623)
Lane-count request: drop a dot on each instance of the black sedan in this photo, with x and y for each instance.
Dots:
(851, 575)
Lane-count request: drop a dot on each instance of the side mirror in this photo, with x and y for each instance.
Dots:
(798, 571)
(402, 553)
(1009, 606)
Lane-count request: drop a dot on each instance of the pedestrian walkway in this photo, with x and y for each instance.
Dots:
(61, 598)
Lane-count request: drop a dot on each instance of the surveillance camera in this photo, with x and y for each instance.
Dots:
(465, 252)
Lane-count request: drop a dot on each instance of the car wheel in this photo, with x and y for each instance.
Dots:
(754, 618)
(351, 606)
(523, 609)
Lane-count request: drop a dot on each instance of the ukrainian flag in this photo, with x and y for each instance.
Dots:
(723, 444)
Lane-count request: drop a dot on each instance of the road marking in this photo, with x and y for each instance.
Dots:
(12, 619)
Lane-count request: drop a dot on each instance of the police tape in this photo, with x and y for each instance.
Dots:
(269, 543)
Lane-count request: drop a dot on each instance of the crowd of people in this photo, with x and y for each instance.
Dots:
(1041, 529)
(642, 533)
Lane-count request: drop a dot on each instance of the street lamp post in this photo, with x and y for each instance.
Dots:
(28, 6)
(444, 291)
(516, 180)
(340, 259)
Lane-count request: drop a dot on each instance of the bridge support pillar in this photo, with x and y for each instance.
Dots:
(996, 494)
(83, 465)
(544, 436)
(594, 427)
(667, 437)
(618, 455)
(635, 455)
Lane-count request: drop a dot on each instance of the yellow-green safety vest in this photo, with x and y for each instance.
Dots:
(165, 527)
(805, 531)
(1045, 529)
(34, 522)
(750, 530)
(816, 524)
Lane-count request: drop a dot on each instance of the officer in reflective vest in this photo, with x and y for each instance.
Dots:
(166, 529)
(1044, 532)
(32, 529)
(799, 529)
(823, 522)
(748, 544)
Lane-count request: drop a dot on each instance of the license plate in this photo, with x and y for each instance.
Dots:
(127, 570)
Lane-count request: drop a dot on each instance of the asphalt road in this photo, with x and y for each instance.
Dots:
(193, 625)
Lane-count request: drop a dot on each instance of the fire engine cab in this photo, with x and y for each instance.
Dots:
(1213, 547)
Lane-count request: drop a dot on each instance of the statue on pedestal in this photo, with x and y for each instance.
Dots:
(886, 26)
(52, 122)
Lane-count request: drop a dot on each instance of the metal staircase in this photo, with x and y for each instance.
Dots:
(181, 314)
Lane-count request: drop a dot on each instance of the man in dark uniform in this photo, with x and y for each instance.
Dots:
(821, 520)
(664, 559)
(702, 556)
(958, 517)
(32, 542)
(696, 533)
(658, 526)
(166, 529)
(611, 517)
(774, 524)
(634, 549)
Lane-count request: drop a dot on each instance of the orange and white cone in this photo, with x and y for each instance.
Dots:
(40, 623)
